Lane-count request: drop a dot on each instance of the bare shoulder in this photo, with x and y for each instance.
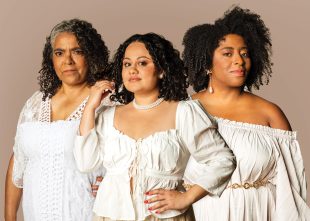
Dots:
(273, 113)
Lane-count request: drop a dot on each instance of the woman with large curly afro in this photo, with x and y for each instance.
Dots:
(43, 167)
(224, 61)
(145, 143)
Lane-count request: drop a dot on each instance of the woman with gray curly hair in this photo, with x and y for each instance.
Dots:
(42, 167)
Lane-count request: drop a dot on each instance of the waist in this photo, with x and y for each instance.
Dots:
(247, 185)
(146, 172)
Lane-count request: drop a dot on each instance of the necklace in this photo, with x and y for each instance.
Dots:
(148, 106)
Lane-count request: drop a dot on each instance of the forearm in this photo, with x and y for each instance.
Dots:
(12, 195)
(87, 121)
(194, 194)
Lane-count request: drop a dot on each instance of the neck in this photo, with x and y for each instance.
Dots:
(74, 91)
(145, 99)
(225, 94)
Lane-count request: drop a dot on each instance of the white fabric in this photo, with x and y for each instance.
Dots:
(262, 154)
(157, 161)
(44, 166)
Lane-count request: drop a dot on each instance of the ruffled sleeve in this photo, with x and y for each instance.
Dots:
(207, 147)
(290, 180)
(30, 112)
(88, 148)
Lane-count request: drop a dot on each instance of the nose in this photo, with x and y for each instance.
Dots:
(68, 58)
(238, 60)
(133, 70)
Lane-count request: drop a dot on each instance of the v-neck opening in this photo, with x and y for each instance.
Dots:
(70, 117)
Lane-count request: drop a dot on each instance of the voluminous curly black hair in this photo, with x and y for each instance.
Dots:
(201, 41)
(94, 49)
(166, 59)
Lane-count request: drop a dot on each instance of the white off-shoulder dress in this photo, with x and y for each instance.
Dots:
(44, 166)
(156, 161)
(269, 181)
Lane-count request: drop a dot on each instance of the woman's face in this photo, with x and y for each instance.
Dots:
(231, 62)
(138, 70)
(68, 59)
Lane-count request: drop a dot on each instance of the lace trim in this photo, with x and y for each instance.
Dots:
(45, 111)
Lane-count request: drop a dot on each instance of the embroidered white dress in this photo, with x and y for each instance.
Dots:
(263, 154)
(157, 161)
(44, 166)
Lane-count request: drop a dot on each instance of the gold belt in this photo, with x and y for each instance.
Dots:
(247, 185)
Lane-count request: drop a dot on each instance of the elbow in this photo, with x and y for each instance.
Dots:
(85, 164)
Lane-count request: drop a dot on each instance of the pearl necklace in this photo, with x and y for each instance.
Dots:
(148, 106)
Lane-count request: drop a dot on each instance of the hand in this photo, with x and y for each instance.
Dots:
(167, 200)
(98, 92)
(95, 186)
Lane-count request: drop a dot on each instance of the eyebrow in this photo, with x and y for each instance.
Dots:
(72, 49)
(231, 48)
(138, 58)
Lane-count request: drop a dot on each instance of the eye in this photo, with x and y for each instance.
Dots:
(142, 63)
(78, 51)
(227, 54)
(58, 53)
(126, 64)
(245, 55)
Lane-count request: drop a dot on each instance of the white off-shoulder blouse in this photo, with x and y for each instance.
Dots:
(156, 161)
(269, 181)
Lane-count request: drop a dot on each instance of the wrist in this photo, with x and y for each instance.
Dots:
(89, 108)
(189, 199)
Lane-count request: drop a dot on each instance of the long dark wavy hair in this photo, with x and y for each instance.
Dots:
(95, 51)
(201, 41)
(166, 59)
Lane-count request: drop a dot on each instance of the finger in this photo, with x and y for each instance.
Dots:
(156, 191)
(162, 209)
(102, 83)
(95, 187)
(94, 194)
(158, 205)
(154, 199)
(99, 178)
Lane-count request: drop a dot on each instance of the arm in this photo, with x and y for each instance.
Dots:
(12, 194)
(87, 146)
(174, 200)
(97, 93)
(277, 118)
(208, 148)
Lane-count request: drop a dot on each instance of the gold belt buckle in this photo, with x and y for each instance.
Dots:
(246, 185)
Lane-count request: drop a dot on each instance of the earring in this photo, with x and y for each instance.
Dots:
(161, 75)
(210, 88)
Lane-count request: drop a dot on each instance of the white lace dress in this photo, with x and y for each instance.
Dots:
(44, 166)
(267, 158)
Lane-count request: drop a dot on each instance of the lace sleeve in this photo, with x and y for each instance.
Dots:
(29, 113)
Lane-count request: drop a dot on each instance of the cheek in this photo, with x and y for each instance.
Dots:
(56, 65)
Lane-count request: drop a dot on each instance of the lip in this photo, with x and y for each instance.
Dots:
(238, 72)
(69, 71)
(134, 79)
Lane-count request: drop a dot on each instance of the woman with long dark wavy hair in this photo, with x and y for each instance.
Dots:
(145, 143)
(43, 168)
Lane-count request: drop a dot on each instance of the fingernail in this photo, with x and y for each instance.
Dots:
(150, 208)
(157, 212)
(146, 201)
(147, 193)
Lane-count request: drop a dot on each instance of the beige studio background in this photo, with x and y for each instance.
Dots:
(24, 26)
